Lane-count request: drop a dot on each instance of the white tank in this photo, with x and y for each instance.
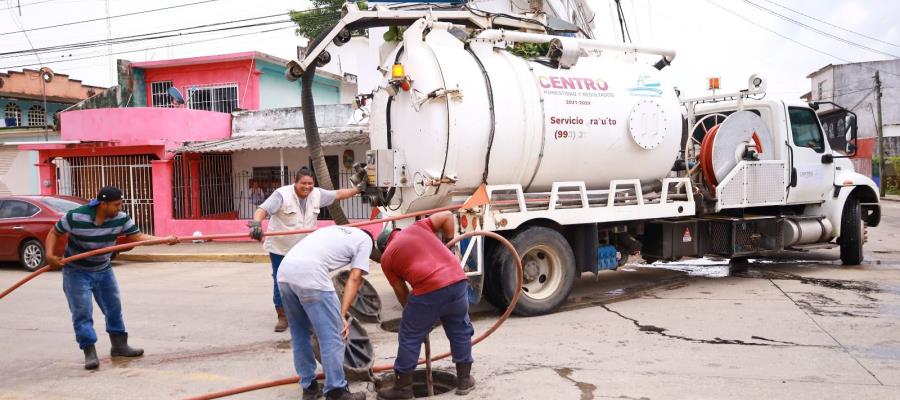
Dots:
(600, 120)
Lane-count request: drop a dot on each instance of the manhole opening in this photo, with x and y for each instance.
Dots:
(443, 382)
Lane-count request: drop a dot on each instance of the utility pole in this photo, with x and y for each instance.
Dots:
(878, 129)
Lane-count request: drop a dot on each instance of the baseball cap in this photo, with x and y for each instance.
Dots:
(107, 193)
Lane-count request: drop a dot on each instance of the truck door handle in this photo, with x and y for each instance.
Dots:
(18, 228)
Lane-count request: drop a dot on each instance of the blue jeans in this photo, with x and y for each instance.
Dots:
(276, 262)
(316, 311)
(449, 304)
(80, 287)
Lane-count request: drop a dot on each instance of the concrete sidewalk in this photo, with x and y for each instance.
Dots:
(246, 252)
(891, 197)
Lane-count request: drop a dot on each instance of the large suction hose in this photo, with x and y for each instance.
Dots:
(387, 367)
(315, 144)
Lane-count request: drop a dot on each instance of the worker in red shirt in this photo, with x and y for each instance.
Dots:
(418, 256)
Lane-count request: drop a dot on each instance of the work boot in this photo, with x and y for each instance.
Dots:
(402, 388)
(313, 392)
(282, 323)
(120, 347)
(90, 358)
(465, 383)
(344, 394)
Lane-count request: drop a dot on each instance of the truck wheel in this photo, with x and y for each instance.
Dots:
(549, 271)
(492, 277)
(851, 233)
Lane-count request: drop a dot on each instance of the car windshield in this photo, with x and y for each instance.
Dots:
(60, 205)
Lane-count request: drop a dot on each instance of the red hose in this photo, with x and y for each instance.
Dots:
(128, 246)
(386, 367)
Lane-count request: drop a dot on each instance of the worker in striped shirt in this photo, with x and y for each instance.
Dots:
(93, 226)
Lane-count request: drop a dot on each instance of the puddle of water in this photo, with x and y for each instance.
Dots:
(700, 267)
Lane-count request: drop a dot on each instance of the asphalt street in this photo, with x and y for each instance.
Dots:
(800, 326)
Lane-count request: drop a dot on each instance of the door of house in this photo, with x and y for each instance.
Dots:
(84, 176)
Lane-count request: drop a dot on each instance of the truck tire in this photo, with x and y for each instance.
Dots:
(491, 289)
(851, 233)
(549, 271)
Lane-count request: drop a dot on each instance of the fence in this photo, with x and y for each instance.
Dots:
(211, 190)
(84, 176)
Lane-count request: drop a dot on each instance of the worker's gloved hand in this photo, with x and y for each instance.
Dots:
(256, 232)
(360, 177)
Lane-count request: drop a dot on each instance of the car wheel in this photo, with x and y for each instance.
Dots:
(31, 255)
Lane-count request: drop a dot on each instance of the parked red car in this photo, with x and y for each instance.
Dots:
(24, 224)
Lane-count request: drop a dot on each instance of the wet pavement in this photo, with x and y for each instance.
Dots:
(797, 326)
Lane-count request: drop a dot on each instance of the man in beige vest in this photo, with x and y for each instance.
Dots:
(289, 208)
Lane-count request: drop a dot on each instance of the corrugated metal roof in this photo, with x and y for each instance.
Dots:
(281, 139)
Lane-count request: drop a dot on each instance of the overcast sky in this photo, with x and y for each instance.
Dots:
(709, 38)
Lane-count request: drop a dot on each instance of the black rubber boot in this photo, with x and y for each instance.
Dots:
(90, 358)
(120, 347)
(313, 392)
(465, 383)
(344, 394)
(402, 389)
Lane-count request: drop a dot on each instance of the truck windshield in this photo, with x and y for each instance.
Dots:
(805, 129)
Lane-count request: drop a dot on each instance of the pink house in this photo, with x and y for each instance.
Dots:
(135, 137)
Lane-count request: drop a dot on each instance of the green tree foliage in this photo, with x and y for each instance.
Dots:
(323, 14)
(529, 50)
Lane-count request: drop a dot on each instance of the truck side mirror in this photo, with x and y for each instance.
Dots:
(827, 158)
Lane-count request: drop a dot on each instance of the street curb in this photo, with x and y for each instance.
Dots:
(174, 257)
(894, 199)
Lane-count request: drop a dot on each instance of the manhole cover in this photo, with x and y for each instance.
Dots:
(358, 353)
(367, 306)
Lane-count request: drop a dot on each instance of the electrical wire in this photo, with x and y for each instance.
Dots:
(150, 48)
(110, 17)
(793, 40)
(819, 31)
(25, 5)
(139, 37)
(830, 24)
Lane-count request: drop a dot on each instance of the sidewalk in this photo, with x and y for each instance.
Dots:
(248, 252)
(891, 197)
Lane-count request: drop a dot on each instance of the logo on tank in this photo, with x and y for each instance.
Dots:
(646, 86)
(574, 86)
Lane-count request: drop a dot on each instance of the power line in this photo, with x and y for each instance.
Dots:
(110, 17)
(160, 47)
(141, 37)
(819, 31)
(150, 48)
(774, 32)
(830, 24)
(794, 41)
(26, 4)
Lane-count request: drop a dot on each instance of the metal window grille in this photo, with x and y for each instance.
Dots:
(13, 115)
(84, 176)
(37, 116)
(159, 94)
(218, 98)
(236, 195)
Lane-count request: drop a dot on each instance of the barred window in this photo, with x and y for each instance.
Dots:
(159, 94)
(37, 116)
(218, 98)
(13, 115)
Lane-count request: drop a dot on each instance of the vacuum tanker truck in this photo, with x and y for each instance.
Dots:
(588, 156)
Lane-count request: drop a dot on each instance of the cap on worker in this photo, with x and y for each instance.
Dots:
(385, 237)
(107, 193)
